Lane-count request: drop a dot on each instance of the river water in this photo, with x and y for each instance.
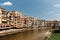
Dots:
(27, 35)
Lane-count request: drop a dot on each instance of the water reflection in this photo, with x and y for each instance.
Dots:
(28, 35)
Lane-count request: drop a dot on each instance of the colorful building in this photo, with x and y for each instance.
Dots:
(4, 20)
(15, 19)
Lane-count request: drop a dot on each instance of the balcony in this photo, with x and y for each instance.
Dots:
(4, 20)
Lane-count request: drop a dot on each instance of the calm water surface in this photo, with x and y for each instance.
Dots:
(28, 35)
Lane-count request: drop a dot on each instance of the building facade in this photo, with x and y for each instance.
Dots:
(15, 19)
(4, 20)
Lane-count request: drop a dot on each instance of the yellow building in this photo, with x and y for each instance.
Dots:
(28, 22)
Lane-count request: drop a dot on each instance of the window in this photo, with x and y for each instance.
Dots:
(10, 17)
(4, 21)
(15, 17)
(7, 26)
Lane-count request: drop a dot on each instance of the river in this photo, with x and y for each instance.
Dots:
(27, 35)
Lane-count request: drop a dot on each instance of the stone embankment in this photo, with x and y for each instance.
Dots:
(13, 31)
(10, 31)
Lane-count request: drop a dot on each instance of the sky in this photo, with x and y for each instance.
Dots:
(41, 9)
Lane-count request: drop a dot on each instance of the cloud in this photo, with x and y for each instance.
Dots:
(57, 5)
(6, 4)
(53, 7)
(54, 15)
